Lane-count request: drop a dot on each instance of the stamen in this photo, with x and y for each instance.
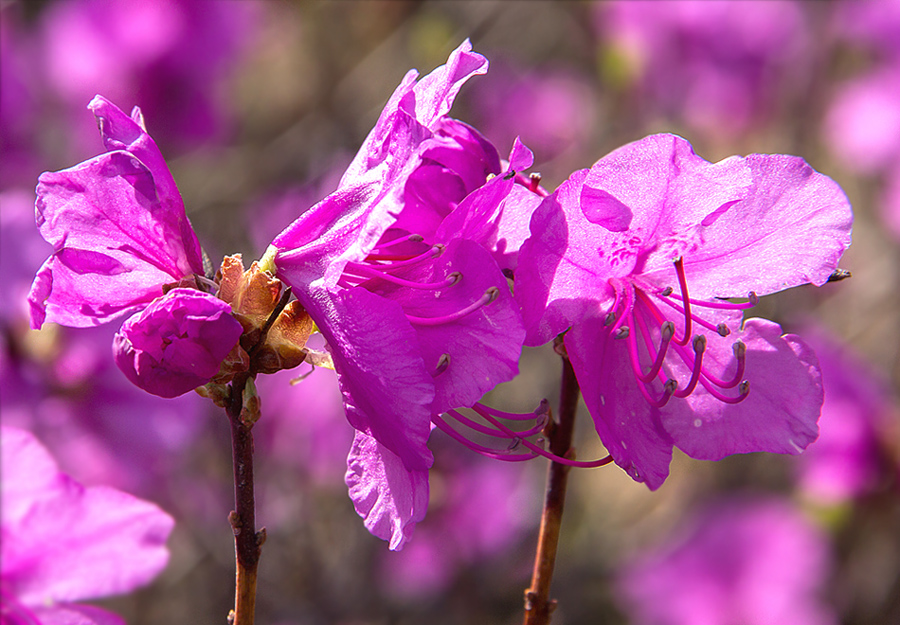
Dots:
(542, 411)
(543, 452)
(700, 321)
(740, 354)
(485, 451)
(743, 389)
(699, 346)
(669, 388)
(489, 296)
(623, 291)
(682, 280)
(405, 261)
(372, 272)
(409, 238)
(719, 304)
(666, 333)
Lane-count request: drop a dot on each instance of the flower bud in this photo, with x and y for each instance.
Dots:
(177, 343)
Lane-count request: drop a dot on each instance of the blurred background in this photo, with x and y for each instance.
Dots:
(259, 105)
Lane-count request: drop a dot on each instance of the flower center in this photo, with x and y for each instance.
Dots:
(636, 313)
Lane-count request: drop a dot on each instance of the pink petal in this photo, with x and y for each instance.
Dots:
(390, 497)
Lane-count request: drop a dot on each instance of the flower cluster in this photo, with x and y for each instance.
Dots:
(405, 270)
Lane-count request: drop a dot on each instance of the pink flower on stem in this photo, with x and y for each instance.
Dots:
(121, 240)
(401, 268)
(636, 259)
(64, 543)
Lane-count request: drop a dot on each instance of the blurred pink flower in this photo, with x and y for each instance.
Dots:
(171, 56)
(64, 543)
(846, 461)
(723, 67)
(552, 110)
(748, 560)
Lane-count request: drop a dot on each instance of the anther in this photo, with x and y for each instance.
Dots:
(622, 333)
(609, 319)
(754, 298)
(838, 275)
(666, 292)
(699, 346)
(443, 364)
(723, 330)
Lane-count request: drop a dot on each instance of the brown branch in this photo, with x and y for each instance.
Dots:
(247, 542)
(538, 605)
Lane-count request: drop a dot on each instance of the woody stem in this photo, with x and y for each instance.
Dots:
(247, 542)
(538, 605)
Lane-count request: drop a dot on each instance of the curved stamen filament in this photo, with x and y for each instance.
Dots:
(542, 412)
(740, 355)
(372, 272)
(753, 300)
(489, 296)
(699, 348)
(700, 321)
(626, 293)
(446, 428)
(682, 280)
(743, 389)
(543, 452)
(409, 238)
(666, 333)
(405, 261)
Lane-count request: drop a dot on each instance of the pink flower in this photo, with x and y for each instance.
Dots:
(401, 268)
(118, 229)
(754, 561)
(633, 260)
(64, 543)
(177, 343)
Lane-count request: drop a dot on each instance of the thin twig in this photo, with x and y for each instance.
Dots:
(538, 605)
(247, 542)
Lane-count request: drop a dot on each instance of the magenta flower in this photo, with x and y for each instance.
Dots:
(118, 229)
(177, 343)
(848, 460)
(174, 56)
(64, 543)
(723, 67)
(632, 259)
(121, 240)
(748, 560)
(399, 270)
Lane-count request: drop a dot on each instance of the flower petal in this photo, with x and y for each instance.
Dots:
(387, 390)
(390, 497)
(629, 427)
(781, 412)
(116, 243)
(74, 542)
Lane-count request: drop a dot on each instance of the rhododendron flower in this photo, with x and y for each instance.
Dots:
(64, 543)
(633, 259)
(177, 343)
(416, 312)
(749, 560)
(118, 229)
(121, 241)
